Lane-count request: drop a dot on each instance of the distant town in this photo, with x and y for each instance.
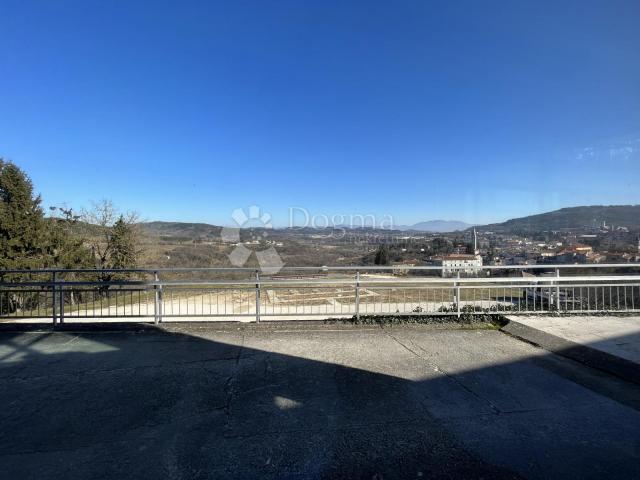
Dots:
(523, 241)
(467, 253)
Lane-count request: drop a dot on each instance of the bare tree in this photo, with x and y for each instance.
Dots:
(104, 216)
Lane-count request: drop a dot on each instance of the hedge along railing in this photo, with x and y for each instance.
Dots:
(310, 292)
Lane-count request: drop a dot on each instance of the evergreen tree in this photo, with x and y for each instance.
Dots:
(441, 245)
(382, 255)
(122, 245)
(23, 229)
(67, 248)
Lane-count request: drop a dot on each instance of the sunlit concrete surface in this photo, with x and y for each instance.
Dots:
(616, 335)
(194, 401)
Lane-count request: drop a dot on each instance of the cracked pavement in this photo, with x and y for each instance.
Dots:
(401, 402)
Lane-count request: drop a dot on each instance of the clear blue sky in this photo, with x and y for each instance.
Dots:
(477, 111)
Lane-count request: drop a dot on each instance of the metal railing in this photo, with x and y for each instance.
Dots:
(313, 292)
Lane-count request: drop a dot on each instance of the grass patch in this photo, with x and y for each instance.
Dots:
(468, 319)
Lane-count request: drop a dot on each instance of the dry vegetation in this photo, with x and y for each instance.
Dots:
(197, 247)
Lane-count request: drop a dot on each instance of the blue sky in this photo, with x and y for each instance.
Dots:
(478, 111)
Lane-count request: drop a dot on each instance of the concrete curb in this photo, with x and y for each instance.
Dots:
(270, 326)
(592, 357)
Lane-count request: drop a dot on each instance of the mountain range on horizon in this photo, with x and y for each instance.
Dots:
(435, 226)
(431, 226)
(564, 218)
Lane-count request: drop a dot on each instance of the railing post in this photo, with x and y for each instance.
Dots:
(160, 302)
(457, 287)
(358, 295)
(54, 297)
(557, 290)
(257, 296)
(157, 306)
(61, 316)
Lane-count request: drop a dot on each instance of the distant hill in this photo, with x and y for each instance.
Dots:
(440, 226)
(572, 218)
(181, 229)
(204, 230)
(565, 218)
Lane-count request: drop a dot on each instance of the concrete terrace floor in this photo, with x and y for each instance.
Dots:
(615, 335)
(316, 402)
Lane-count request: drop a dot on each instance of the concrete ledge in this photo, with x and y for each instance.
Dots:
(446, 322)
(585, 354)
(219, 326)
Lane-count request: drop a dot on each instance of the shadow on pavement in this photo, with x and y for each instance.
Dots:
(151, 403)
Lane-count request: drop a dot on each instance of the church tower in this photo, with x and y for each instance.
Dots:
(475, 242)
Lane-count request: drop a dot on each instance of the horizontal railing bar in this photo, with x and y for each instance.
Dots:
(563, 285)
(183, 315)
(326, 268)
(124, 283)
(483, 267)
(487, 281)
(317, 282)
(74, 283)
(502, 286)
(347, 314)
(79, 270)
